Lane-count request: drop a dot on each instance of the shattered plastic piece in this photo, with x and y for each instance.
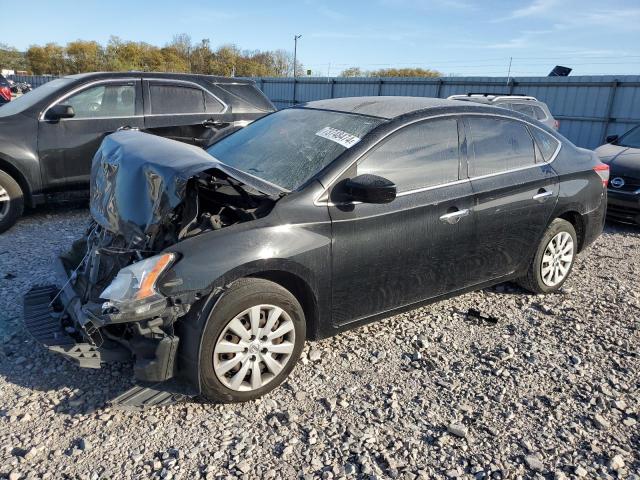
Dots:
(472, 313)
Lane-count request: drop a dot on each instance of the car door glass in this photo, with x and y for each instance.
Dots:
(421, 155)
(103, 101)
(546, 143)
(174, 99)
(498, 145)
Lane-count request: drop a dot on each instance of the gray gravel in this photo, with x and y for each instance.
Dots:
(550, 391)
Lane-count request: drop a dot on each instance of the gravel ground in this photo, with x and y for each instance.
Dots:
(549, 391)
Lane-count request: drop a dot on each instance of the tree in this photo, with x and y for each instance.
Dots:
(49, 59)
(404, 72)
(353, 72)
(11, 58)
(84, 56)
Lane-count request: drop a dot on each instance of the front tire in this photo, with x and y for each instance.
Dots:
(252, 341)
(11, 201)
(554, 259)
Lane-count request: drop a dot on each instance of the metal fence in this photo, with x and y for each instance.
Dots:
(589, 107)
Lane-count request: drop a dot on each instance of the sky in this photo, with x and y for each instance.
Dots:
(455, 37)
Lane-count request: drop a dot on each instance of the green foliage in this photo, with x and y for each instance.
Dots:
(390, 72)
(179, 55)
(11, 58)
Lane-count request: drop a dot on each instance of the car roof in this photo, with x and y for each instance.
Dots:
(383, 106)
(164, 75)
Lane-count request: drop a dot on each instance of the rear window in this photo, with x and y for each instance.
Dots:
(629, 139)
(248, 94)
(539, 112)
(499, 145)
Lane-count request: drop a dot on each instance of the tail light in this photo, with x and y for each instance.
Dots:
(556, 124)
(602, 170)
(5, 92)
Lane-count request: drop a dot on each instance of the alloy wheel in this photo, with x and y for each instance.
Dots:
(254, 347)
(557, 259)
(4, 202)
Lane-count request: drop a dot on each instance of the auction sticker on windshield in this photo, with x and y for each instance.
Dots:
(343, 138)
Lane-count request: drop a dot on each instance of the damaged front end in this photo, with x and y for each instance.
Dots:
(147, 194)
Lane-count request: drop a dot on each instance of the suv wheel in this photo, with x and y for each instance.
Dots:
(252, 341)
(11, 201)
(553, 260)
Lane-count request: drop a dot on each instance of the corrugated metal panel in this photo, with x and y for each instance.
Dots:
(588, 107)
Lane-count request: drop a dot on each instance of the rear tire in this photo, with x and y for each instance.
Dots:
(11, 201)
(260, 354)
(554, 259)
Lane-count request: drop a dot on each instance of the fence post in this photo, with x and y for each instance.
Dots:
(512, 85)
(610, 100)
(439, 89)
(262, 84)
(333, 82)
(379, 86)
(295, 84)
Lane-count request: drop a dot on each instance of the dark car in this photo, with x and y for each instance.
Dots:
(49, 136)
(5, 90)
(215, 266)
(622, 154)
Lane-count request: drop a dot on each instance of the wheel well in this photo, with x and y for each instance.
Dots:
(18, 177)
(299, 289)
(575, 219)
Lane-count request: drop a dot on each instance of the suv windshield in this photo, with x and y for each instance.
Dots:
(288, 147)
(25, 101)
(631, 138)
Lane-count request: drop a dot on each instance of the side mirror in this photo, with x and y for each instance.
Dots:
(612, 138)
(370, 189)
(60, 111)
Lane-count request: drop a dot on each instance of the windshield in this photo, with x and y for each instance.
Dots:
(289, 147)
(34, 96)
(631, 138)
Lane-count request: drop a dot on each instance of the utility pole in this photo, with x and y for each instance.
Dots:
(509, 71)
(295, 53)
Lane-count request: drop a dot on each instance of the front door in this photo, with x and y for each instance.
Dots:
(414, 248)
(67, 146)
(515, 193)
(184, 111)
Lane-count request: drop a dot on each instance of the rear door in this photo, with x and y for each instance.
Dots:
(386, 256)
(515, 192)
(184, 111)
(67, 146)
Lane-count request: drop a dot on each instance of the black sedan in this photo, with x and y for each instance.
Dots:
(622, 154)
(215, 266)
(49, 136)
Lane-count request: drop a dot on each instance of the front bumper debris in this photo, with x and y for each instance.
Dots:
(50, 323)
(55, 318)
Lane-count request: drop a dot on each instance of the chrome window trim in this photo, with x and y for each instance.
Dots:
(85, 86)
(318, 202)
(190, 83)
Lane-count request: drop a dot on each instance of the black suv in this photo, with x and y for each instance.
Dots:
(215, 266)
(49, 136)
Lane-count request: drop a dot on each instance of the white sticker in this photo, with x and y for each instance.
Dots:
(343, 138)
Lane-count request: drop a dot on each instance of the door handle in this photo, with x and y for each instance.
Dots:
(542, 195)
(454, 217)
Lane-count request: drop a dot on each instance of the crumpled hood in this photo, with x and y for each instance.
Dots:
(137, 179)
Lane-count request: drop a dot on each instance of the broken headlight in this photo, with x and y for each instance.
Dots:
(134, 288)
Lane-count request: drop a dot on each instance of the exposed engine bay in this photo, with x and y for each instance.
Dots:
(145, 197)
